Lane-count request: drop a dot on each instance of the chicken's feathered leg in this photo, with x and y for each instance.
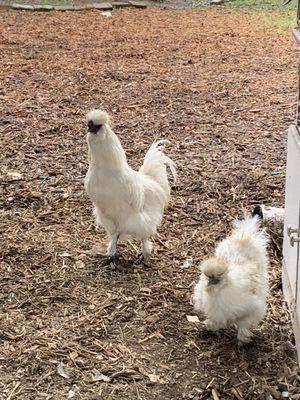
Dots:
(146, 249)
(244, 333)
(112, 247)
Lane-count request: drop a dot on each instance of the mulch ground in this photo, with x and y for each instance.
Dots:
(221, 86)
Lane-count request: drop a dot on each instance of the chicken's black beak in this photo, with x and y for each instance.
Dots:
(93, 128)
(212, 280)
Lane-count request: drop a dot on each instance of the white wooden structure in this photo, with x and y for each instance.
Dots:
(291, 240)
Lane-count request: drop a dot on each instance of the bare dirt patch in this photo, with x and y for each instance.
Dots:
(221, 86)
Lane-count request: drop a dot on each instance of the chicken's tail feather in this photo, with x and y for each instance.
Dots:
(156, 160)
(251, 226)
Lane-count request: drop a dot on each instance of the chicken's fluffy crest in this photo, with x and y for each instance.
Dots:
(98, 117)
(214, 266)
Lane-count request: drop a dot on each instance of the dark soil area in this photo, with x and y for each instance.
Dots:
(221, 86)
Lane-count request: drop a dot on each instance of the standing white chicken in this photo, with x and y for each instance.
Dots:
(233, 287)
(127, 202)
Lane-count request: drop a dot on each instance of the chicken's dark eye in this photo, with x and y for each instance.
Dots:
(93, 128)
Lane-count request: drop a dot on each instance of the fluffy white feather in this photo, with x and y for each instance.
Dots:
(233, 286)
(127, 202)
(98, 117)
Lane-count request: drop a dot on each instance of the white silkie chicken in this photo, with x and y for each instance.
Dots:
(233, 287)
(127, 202)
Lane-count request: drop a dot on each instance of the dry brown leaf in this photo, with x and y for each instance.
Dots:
(145, 290)
(79, 264)
(98, 376)
(63, 371)
(153, 378)
(73, 355)
(14, 175)
(192, 318)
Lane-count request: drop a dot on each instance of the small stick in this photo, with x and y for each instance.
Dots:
(13, 391)
(215, 394)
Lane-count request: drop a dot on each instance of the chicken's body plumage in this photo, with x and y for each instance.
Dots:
(127, 202)
(239, 270)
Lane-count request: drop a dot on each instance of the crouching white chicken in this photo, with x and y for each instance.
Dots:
(127, 202)
(233, 287)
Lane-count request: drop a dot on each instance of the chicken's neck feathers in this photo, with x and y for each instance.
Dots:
(109, 155)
